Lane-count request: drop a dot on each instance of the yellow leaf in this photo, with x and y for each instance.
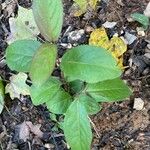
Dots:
(81, 6)
(93, 3)
(117, 47)
(120, 62)
(99, 38)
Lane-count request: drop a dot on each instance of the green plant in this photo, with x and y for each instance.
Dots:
(142, 19)
(89, 75)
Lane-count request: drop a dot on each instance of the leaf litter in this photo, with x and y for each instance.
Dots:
(116, 46)
(23, 26)
(115, 112)
(17, 86)
(26, 128)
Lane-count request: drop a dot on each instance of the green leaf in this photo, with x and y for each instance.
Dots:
(20, 53)
(92, 107)
(59, 103)
(1, 95)
(76, 86)
(144, 20)
(48, 15)
(89, 63)
(45, 92)
(17, 86)
(23, 27)
(77, 127)
(109, 91)
(43, 63)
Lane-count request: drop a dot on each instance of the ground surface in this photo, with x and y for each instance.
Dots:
(118, 125)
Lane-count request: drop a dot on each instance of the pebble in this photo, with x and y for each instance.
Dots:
(49, 146)
(147, 50)
(147, 10)
(146, 71)
(130, 38)
(147, 58)
(109, 25)
(140, 31)
(89, 29)
(148, 46)
(129, 19)
(75, 36)
(138, 104)
(66, 45)
(147, 55)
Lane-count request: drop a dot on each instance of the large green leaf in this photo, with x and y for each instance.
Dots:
(48, 15)
(45, 92)
(1, 95)
(20, 53)
(77, 127)
(43, 63)
(92, 107)
(89, 63)
(109, 91)
(59, 103)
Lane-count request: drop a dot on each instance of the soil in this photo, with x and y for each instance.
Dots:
(117, 126)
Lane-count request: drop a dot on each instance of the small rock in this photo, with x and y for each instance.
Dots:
(147, 58)
(146, 71)
(109, 25)
(138, 104)
(49, 146)
(130, 38)
(147, 50)
(89, 29)
(148, 46)
(147, 55)
(140, 31)
(75, 36)
(129, 19)
(120, 3)
(147, 10)
(66, 45)
(139, 61)
(128, 72)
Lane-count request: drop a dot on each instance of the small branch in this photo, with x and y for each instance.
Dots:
(94, 127)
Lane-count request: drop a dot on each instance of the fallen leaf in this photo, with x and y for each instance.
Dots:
(99, 38)
(81, 6)
(116, 46)
(26, 128)
(24, 131)
(17, 86)
(23, 27)
(93, 3)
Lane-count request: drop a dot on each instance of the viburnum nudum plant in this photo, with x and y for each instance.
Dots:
(90, 75)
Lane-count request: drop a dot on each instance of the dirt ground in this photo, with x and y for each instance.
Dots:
(117, 126)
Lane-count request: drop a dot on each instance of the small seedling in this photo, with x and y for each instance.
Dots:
(89, 75)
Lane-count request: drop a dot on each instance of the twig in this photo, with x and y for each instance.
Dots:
(95, 129)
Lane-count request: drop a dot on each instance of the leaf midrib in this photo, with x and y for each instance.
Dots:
(81, 63)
